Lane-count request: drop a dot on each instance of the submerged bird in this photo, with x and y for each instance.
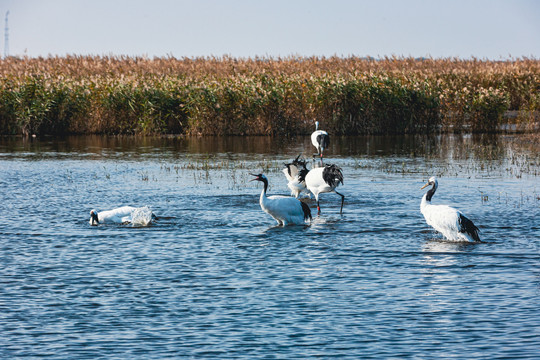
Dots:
(296, 172)
(142, 216)
(323, 180)
(284, 209)
(320, 139)
(445, 219)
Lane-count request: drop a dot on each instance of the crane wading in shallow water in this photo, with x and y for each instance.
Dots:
(320, 139)
(284, 209)
(296, 172)
(445, 219)
(323, 180)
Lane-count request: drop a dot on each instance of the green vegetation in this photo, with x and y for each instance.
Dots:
(262, 96)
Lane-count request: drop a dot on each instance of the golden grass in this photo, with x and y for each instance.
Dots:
(225, 95)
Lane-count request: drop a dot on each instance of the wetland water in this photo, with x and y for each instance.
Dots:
(215, 278)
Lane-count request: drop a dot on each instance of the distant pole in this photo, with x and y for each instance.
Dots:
(6, 37)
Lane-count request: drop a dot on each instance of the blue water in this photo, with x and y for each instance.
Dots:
(214, 278)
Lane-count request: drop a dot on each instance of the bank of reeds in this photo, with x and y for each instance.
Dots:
(262, 96)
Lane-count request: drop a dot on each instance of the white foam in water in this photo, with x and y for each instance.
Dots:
(142, 216)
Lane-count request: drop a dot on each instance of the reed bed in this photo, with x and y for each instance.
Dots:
(265, 96)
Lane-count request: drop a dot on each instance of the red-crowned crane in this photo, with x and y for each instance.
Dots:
(296, 172)
(284, 209)
(445, 219)
(323, 180)
(320, 139)
(142, 216)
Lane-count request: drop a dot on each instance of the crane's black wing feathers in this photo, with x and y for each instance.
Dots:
(467, 226)
(323, 140)
(307, 211)
(332, 175)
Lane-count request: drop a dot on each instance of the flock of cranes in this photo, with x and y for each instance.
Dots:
(290, 210)
(324, 179)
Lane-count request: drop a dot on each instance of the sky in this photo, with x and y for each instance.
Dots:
(484, 29)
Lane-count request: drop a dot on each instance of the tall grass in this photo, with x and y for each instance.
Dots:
(261, 96)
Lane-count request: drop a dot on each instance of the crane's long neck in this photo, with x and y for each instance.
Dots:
(426, 199)
(263, 192)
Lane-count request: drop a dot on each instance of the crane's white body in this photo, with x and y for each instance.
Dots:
(294, 182)
(284, 209)
(296, 186)
(320, 139)
(318, 146)
(444, 219)
(316, 183)
(125, 215)
(447, 220)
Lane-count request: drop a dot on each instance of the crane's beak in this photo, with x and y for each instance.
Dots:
(423, 187)
(256, 177)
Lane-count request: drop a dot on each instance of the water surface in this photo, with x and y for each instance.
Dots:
(215, 278)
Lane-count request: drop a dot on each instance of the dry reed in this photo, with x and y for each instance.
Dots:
(261, 96)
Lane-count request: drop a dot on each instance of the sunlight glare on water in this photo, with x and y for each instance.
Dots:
(214, 277)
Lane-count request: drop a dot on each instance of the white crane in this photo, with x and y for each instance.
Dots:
(296, 172)
(142, 216)
(284, 209)
(445, 219)
(320, 139)
(323, 180)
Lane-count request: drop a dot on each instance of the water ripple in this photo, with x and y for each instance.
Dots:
(214, 277)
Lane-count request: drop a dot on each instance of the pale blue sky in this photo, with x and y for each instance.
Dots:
(493, 29)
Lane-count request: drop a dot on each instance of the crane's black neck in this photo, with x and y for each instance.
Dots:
(95, 218)
(431, 192)
(289, 168)
(265, 182)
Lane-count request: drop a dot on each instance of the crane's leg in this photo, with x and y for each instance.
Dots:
(318, 153)
(342, 200)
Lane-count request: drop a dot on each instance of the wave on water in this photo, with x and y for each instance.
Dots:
(142, 216)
